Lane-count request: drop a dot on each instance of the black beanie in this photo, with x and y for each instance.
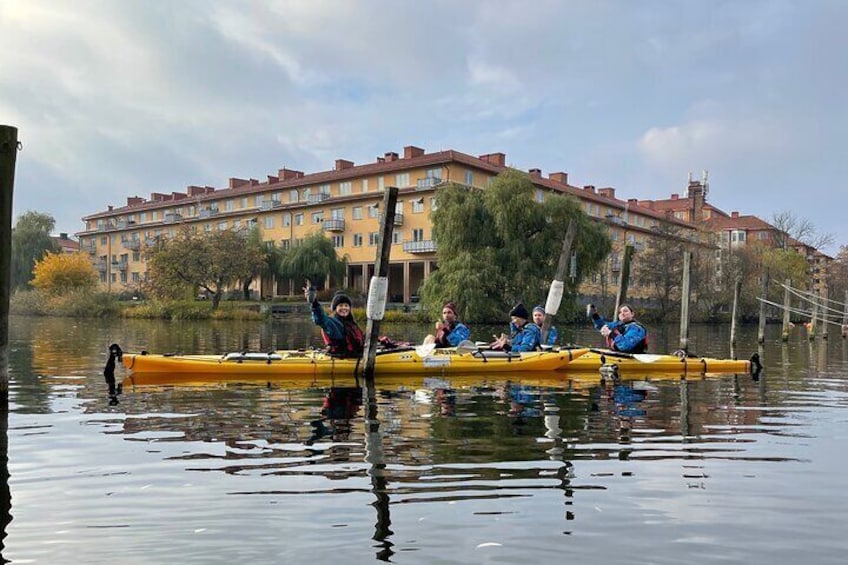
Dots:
(340, 298)
(519, 311)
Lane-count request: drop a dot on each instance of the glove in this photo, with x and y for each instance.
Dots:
(591, 311)
(310, 293)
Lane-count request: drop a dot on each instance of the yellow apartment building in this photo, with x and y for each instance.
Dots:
(344, 204)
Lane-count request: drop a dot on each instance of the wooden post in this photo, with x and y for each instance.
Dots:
(562, 266)
(737, 288)
(684, 302)
(761, 330)
(375, 457)
(381, 270)
(825, 312)
(624, 280)
(8, 155)
(845, 316)
(786, 298)
(814, 320)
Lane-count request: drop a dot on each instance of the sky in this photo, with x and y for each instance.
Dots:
(122, 98)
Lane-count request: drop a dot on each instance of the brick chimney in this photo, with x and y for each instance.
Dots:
(178, 195)
(342, 164)
(411, 152)
(498, 159)
(273, 179)
(237, 182)
(381, 159)
(696, 201)
(607, 192)
(196, 190)
(134, 200)
(535, 173)
(559, 177)
(391, 156)
(589, 188)
(289, 174)
(158, 197)
(633, 201)
(675, 196)
(734, 214)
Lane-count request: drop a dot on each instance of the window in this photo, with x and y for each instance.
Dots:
(103, 240)
(469, 178)
(399, 207)
(357, 212)
(373, 238)
(433, 205)
(337, 213)
(381, 185)
(317, 217)
(222, 226)
(434, 173)
(418, 206)
(269, 222)
(136, 256)
(293, 195)
(338, 241)
(418, 234)
(373, 211)
(286, 220)
(397, 237)
(236, 224)
(243, 202)
(258, 200)
(298, 219)
(357, 240)
(307, 192)
(540, 195)
(285, 244)
(364, 185)
(135, 278)
(324, 189)
(402, 180)
(345, 188)
(142, 217)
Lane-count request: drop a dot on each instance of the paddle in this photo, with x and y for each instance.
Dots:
(557, 285)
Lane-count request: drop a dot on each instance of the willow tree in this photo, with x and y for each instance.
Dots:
(499, 246)
(211, 261)
(314, 259)
(271, 257)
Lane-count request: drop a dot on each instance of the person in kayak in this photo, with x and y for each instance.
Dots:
(449, 330)
(538, 319)
(341, 334)
(625, 335)
(524, 335)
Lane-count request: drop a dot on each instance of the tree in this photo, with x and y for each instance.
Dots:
(210, 261)
(271, 257)
(58, 273)
(788, 225)
(30, 243)
(498, 246)
(661, 266)
(314, 259)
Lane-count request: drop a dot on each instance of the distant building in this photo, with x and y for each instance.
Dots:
(66, 244)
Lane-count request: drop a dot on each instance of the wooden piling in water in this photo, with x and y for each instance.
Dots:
(381, 271)
(684, 302)
(8, 156)
(624, 280)
(811, 333)
(786, 321)
(845, 316)
(761, 330)
(737, 288)
(562, 266)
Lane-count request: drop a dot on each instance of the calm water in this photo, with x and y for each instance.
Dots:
(716, 470)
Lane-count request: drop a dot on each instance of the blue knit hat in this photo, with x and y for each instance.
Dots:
(539, 308)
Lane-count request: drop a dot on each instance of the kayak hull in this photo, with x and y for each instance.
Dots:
(311, 364)
(651, 364)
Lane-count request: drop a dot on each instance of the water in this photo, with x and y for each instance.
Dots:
(707, 470)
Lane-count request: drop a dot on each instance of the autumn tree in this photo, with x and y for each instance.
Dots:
(210, 261)
(271, 257)
(789, 226)
(30, 243)
(314, 259)
(58, 273)
(498, 246)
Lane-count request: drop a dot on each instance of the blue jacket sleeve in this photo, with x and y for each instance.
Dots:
(527, 339)
(628, 341)
(553, 335)
(599, 321)
(459, 333)
(330, 325)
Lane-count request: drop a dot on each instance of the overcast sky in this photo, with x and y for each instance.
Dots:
(122, 98)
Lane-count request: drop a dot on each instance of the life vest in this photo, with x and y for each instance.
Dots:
(352, 344)
(641, 347)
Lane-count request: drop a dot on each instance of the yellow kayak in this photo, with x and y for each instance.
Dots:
(648, 364)
(311, 364)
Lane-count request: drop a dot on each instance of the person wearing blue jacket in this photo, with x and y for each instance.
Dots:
(449, 330)
(341, 334)
(538, 319)
(524, 335)
(625, 335)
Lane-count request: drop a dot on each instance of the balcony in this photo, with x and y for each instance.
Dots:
(426, 246)
(132, 244)
(100, 266)
(429, 182)
(172, 218)
(208, 212)
(89, 248)
(334, 225)
(120, 265)
(318, 198)
(270, 205)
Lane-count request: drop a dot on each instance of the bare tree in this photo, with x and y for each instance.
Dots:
(788, 225)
